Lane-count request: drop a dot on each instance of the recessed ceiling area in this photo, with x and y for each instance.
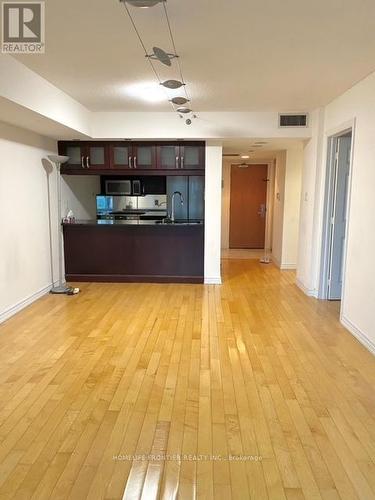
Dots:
(243, 55)
(256, 149)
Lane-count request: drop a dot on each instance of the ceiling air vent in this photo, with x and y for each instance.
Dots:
(231, 155)
(293, 120)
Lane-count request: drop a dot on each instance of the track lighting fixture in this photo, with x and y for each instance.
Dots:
(183, 110)
(172, 84)
(142, 3)
(162, 56)
(158, 54)
(179, 101)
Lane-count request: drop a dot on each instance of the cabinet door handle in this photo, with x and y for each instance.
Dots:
(87, 162)
(135, 162)
(82, 164)
(182, 161)
(130, 162)
(176, 161)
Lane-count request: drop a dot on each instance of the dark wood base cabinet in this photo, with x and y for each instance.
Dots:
(133, 253)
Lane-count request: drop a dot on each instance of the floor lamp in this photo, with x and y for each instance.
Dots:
(61, 288)
(265, 259)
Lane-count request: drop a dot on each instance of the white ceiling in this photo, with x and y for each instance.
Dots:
(248, 55)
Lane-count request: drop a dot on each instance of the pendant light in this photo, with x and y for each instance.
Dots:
(183, 110)
(179, 101)
(162, 56)
(144, 4)
(172, 84)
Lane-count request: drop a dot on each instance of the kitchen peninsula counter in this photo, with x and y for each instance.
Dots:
(151, 222)
(134, 251)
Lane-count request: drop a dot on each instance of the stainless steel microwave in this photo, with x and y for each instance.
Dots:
(123, 187)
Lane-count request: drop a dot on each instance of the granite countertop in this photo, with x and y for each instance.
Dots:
(107, 222)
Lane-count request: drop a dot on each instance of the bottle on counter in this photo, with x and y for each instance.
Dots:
(69, 218)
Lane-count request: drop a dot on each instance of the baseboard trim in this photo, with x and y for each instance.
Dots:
(283, 267)
(125, 278)
(288, 267)
(308, 291)
(212, 281)
(358, 334)
(11, 311)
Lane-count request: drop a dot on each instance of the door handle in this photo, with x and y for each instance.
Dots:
(182, 161)
(87, 162)
(176, 161)
(130, 162)
(135, 161)
(82, 160)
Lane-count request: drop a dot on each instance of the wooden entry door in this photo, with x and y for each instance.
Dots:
(248, 195)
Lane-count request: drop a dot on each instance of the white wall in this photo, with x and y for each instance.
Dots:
(307, 268)
(286, 208)
(357, 311)
(225, 204)
(208, 125)
(292, 197)
(278, 208)
(78, 193)
(212, 237)
(25, 270)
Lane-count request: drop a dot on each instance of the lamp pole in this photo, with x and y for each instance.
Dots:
(61, 288)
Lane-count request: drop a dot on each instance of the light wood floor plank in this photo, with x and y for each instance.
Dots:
(249, 390)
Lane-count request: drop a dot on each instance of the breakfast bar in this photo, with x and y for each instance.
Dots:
(134, 251)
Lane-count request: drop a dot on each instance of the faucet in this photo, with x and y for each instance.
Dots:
(181, 200)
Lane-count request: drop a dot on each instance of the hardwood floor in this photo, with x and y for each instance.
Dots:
(92, 385)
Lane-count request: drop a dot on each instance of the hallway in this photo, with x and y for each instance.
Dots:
(253, 370)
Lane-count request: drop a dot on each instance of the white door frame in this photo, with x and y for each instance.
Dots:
(326, 236)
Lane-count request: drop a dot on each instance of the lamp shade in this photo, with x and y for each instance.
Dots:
(57, 159)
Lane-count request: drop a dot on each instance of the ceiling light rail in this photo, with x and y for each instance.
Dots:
(174, 48)
(165, 58)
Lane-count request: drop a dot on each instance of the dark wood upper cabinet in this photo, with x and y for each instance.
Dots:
(97, 157)
(168, 156)
(192, 156)
(128, 155)
(85, 155)
(91, 156)
(76, 152)
(180, 156)
(144, 155)
(120, 155)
